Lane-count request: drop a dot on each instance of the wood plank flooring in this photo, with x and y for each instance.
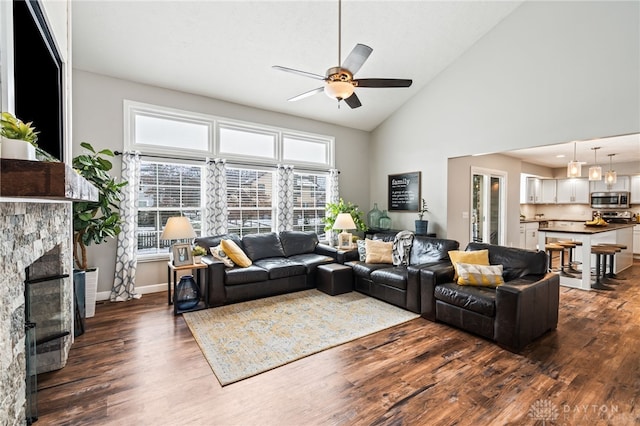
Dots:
(138, 364)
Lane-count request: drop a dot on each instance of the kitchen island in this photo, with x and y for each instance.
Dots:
(618, 233)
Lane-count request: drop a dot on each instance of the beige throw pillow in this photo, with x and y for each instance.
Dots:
(235, 253)
(379, 251)
(218, 253)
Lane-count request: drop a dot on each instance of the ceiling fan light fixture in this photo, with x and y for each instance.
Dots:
(338, 89)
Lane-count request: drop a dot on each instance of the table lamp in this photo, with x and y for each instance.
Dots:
(343, 222)
(178, 228)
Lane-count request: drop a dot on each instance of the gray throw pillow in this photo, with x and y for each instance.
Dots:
(362, 252)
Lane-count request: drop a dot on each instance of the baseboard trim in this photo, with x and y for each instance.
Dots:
(153, 288)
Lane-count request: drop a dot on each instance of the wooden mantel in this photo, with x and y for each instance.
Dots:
(39, 179)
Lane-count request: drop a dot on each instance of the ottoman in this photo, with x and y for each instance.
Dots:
(335, 278)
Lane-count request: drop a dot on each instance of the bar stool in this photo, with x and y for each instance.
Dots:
(572, 263)
(619, 248)
(601, 253)
(550, 249)
(566, 245)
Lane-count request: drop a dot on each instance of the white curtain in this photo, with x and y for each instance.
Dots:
(215, 212)
(285, 198)
(126, 258)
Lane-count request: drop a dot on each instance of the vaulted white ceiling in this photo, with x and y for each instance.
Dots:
(225, 49)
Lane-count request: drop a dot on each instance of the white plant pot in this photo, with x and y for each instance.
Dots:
(91, 291)
(197, 260)
(17, 149)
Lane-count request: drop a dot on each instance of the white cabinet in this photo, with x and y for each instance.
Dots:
(529, 235)
(534, 189)
(635, 189)
(636, 239)
(622, 184)
(572, 191)
(548, 191)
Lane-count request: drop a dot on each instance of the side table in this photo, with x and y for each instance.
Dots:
(172, 282)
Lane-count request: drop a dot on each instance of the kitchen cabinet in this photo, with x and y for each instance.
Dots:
(534, 189)
(635, 189)
(572, 191)
(636, 240)
(548, 191)
(622, 184)
(529, 235)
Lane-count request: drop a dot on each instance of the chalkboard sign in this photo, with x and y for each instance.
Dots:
(404, 192)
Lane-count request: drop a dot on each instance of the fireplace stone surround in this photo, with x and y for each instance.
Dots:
(28, 230)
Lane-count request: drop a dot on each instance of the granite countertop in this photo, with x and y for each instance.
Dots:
(581, 228)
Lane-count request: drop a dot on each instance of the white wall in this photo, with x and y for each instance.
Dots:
(551, 72)
(98, 119)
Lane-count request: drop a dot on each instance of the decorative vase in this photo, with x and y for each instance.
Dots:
(197, 260)
(17, 149)
(421, 227)
(187, 293)
(385, 221)
(373, 217)
(91, 291)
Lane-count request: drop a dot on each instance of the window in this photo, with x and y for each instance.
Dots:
(249, 201)
(309, 199)
(167, 132)
(247, 142)
(166, 190)
(299, 149)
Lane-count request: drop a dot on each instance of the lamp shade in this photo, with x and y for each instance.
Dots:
(344, 221)
(178, 228)
(338, 89)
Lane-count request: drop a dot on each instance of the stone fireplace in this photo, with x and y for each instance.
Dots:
(30, 231)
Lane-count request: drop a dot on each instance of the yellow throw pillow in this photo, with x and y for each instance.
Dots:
(235, 253)
(378, 251)
(475, 257)
(480, 275)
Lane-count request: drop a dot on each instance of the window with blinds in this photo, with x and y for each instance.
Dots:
(167, 190)
(309, 199)
(249, 201)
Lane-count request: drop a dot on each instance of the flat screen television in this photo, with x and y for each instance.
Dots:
(38, 76)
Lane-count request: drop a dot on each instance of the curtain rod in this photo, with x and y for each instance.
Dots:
(187, 159)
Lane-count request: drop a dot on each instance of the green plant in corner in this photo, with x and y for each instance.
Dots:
(333, 209)
(423, 209)
(14, 128)
(94, 222)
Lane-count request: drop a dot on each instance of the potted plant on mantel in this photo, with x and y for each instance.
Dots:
(332, 211)
(422, 225)
(95, 221)
(18, 138)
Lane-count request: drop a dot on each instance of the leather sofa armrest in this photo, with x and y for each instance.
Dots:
(430, 277)
(525, 309)
(214, 281)
(327, 250)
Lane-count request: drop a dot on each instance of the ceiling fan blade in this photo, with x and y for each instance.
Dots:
(306, 94)
(356, 58)
(382, 82)
(353, 101)
(302, 73)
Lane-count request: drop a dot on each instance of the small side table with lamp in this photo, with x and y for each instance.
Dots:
(186, 292)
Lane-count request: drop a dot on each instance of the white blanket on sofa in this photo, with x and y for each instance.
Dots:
(401, 248)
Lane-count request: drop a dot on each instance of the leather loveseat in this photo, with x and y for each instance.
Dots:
(512, 314)
(400, 285)
(281, 263)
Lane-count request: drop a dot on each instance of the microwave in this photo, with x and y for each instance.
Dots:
(610, 200)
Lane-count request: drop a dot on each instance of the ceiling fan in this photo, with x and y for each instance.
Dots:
(338, 81)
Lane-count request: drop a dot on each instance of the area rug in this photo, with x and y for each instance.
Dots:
(245, 339)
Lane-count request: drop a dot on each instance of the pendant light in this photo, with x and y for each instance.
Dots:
(595, 171)
(574, 168)
(611, 177)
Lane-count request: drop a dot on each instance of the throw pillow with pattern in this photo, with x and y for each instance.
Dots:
(220, 255)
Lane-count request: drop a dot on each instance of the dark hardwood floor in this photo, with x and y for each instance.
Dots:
(137, 364)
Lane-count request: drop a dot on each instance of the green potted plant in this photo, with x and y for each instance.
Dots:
(19, 139)
(332, 211)
(197, 253)
(95, 221)
(422, 225)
